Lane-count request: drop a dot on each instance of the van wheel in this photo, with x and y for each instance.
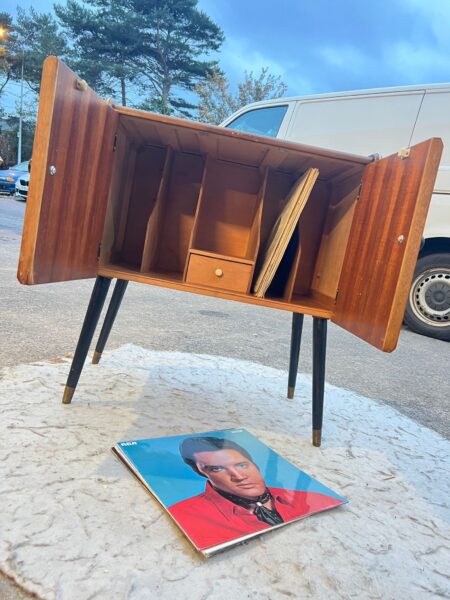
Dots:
(428, 309)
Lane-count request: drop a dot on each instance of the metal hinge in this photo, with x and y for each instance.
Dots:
(359, 192)
(81, 85)
(99, 249)
(115, 143)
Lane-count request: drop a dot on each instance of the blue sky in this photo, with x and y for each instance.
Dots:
(323, 45)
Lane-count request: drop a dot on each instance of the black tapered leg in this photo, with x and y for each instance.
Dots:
(94, 309)
(113, 309)
(319, 354)
(296, 338)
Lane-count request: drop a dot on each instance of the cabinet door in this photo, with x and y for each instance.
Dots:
(384, 243)
(69, 182)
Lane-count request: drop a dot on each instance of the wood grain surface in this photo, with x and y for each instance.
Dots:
(179, 211)
(384, 242)
(235, 146)
(301, 304)
(65, 212)
(146, 179)
(218, 273)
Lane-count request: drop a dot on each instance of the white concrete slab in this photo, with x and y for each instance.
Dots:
(75, 525)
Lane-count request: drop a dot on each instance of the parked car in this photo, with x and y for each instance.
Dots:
(22, 187)
(384, 121)
(9, 177)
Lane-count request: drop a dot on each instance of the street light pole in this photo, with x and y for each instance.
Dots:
(19, 145)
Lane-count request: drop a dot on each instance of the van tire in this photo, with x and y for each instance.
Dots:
(428, 308)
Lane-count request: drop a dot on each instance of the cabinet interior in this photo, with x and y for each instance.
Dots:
(177, 193)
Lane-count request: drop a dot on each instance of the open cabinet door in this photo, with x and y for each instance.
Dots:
(384, 243)
(70, 179)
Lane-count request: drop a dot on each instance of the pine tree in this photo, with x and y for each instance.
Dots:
(28, 41)
(159, 45)
(178, 37)
(7, 64)
(106, 43)
(35, 36)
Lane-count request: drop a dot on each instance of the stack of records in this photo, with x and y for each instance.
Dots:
(283, 229)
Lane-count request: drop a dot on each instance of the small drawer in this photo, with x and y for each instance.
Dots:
(219, 273)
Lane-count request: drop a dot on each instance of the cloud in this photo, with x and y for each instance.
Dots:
(416, 62)
(238, 56)
(323, 46)
(434, 16)
(345, 57)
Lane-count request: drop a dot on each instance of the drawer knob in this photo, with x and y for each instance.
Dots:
(219, 272)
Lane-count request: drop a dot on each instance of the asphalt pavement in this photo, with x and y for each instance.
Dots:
(43, 322)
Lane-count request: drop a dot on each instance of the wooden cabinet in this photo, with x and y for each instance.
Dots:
(121, 192)
(117, 192)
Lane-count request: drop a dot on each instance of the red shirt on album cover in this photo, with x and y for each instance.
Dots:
(210, 519)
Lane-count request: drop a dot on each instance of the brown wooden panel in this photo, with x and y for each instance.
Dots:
(236, 146)
(333, 244)
(66, 211)
(144, 191)
(228, 209)
(384, 242)
(179, 211)
(153, 230)
(300, 304)
(274, 200)
(311, 224)
(119, 198)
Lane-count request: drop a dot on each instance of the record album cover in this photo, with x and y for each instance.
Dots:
(224, 487)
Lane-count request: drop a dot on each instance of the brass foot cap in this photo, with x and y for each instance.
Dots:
(96, 358)
(290, 393)
(68, 394)
(317, 437)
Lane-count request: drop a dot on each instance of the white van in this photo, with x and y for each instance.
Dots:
(382, 121)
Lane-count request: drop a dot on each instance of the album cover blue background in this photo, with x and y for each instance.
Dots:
(159, 462)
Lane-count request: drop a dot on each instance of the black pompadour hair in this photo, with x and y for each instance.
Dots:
(190, 446)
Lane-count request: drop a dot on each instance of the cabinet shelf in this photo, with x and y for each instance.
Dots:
(301, 304)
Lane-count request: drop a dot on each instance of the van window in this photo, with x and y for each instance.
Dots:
(261, 121)
(381, 123)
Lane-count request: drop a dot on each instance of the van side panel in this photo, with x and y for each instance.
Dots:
(433, 121)
(381, 123)
(438, 220)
